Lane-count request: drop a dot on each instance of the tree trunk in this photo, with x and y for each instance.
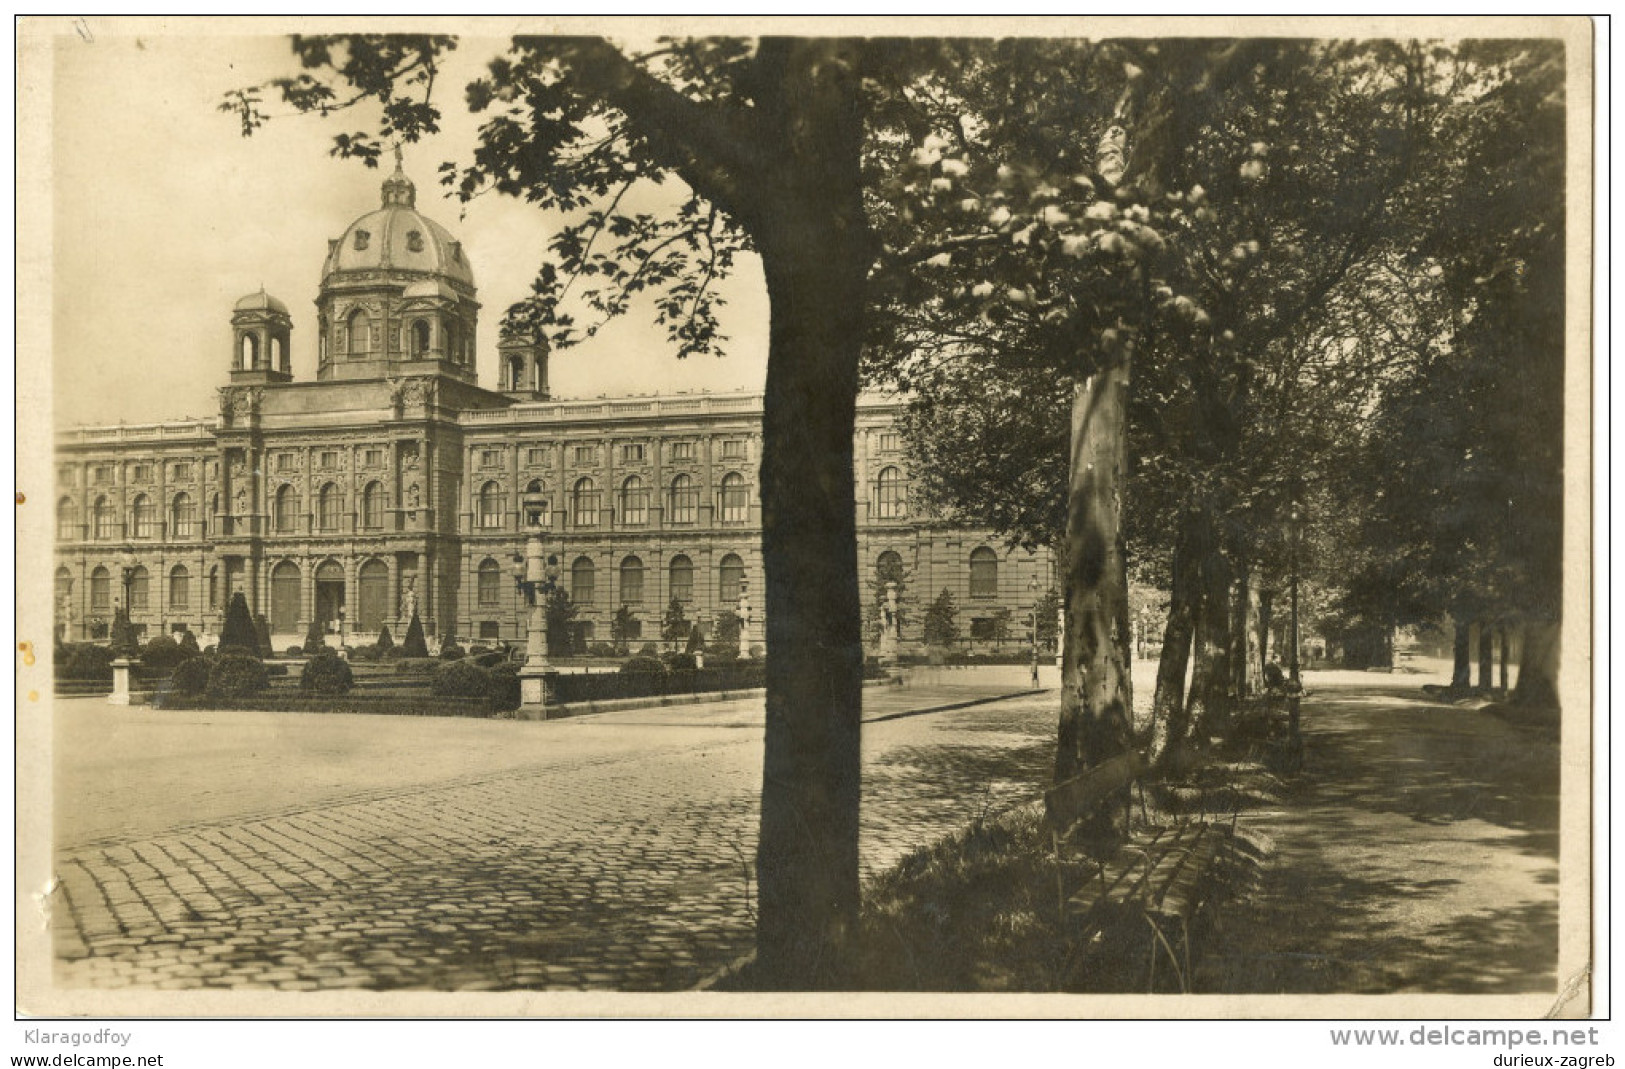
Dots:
(1506, 642)
(816, 251)
(1170, 720)
(1537, 668)
(1461, 675)
(1210, 684)
(1486, 655)
(1096, 696)
(1266, 620)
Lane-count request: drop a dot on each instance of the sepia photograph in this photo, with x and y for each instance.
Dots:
(1042, 517)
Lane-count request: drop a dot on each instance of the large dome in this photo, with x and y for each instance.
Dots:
(396, 237)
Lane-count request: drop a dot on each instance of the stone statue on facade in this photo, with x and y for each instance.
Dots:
(409, 603)
(889, 629)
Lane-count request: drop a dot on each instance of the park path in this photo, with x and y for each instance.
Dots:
(1417, 852)
(305, 852)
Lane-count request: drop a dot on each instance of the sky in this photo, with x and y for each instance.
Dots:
(164, 215)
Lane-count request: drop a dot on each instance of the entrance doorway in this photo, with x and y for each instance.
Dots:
(329, 595)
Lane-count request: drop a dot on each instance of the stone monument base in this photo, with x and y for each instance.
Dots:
(538, 691)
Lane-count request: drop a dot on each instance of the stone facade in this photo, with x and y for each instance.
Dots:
(395, 478)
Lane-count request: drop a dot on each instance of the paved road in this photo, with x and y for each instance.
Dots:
(1417, 853)
(305, 852)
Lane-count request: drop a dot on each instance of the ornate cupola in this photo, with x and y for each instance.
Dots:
(260, 329)
(397, 295)
(522, 366)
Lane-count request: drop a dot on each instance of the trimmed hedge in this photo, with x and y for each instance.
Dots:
(503, 688)
(609, 686)
(461, 679)
(326, 674)
(163, 654)
(237, 675)
(192, 677)
(86, 661)
(293, 702)
(418, 666)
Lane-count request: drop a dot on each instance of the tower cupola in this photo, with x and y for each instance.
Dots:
(260, 330)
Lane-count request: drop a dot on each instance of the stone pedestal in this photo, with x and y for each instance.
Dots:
(121, 681)
(888, 648)
(538, 691)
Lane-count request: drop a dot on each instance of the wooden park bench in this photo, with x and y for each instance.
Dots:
(1161, 873)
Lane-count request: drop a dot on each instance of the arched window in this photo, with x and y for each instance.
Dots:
(321, 341)
(420, 337)
(100, 590)
(491, 505)
(329, 502)
(372, 511)
(285, 598)
(984, 573)
(889, 563)
(682, 578)
(452, 338)
(685, 500)
(67, 517)
(182, 517)
(140, 585)
(516, 373)
(355, 327)
(584, 504)
(285, 509)
(582, 579)
(214, 586)
(634, 502)
(632, 581)
(102, 519)
(735, 499)
(250, 352)
(890, 499)
(141, 517)
(180, 589)
(730, 572)
(372, 590)
(489, 586)
(64, 582)
(279, 354)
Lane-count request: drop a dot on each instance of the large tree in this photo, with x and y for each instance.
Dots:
(765, 136)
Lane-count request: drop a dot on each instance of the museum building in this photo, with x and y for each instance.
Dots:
(395, 480)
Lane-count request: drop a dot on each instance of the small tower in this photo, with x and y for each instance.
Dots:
(260, 328)
(522, 367)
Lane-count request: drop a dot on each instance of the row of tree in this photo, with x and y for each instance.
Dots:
(1173, 302)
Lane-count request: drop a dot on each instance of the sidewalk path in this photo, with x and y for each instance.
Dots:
(1416, 853)
(306, 852)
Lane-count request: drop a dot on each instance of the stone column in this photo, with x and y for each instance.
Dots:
(538, 680)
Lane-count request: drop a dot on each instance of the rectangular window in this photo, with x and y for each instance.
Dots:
(284, 462)
(982, 629)
(373, 458)
(490, 458)
(102, 474)
(329, 459)
(100, 593)
(181, 470)
(682, 450)
(177, 592)
(490, 586)
(890, 440)
(632, 453)
(536, 457)
(586, 454)
(490, 629)
(141, 473)
(733, 448)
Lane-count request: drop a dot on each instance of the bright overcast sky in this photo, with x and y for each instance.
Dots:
(164, 216)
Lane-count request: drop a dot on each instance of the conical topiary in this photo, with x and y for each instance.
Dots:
(386, 641)
(314, 641)
(414, 645)
(262, 636)
(238, 630)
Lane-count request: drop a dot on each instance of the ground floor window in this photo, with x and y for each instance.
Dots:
(982, 629)
(490, 629)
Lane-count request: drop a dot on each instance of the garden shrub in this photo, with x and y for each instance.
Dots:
(163, 654)
(452, 652)
(315, 642)
(477, 649)
(326, 673)
(460, 679)
(503, 687)
(237, 675)
(648, 649)
(679, 662)
(86, 661)
(385, 640)
(364, 654)
(238, 631)
(188, 642)
(418, 666)
(191, 677)
(262, 633)
(643, 664)
(601, 649)
(414, 645)
(294, 651)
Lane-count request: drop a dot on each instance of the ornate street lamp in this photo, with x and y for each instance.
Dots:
(535, 578)
(128, 563)
(744, 617)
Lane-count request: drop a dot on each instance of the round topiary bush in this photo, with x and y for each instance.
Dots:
(419, 666)
(477, 649)
(643, 664)
(188, 642)
(601, 649)
(452, 652)
(163, 654)
(648, 649)
(237, 675)
(191, 677)
(294, 651)
(87, 662)
(460, 679)
(680, 662)
(504, 687)
(326, 673)
(364, 654)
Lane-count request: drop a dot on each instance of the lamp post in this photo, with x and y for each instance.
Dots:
(123, 637)
(534, 579)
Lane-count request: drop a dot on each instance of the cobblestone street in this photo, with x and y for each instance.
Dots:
(304, 852)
